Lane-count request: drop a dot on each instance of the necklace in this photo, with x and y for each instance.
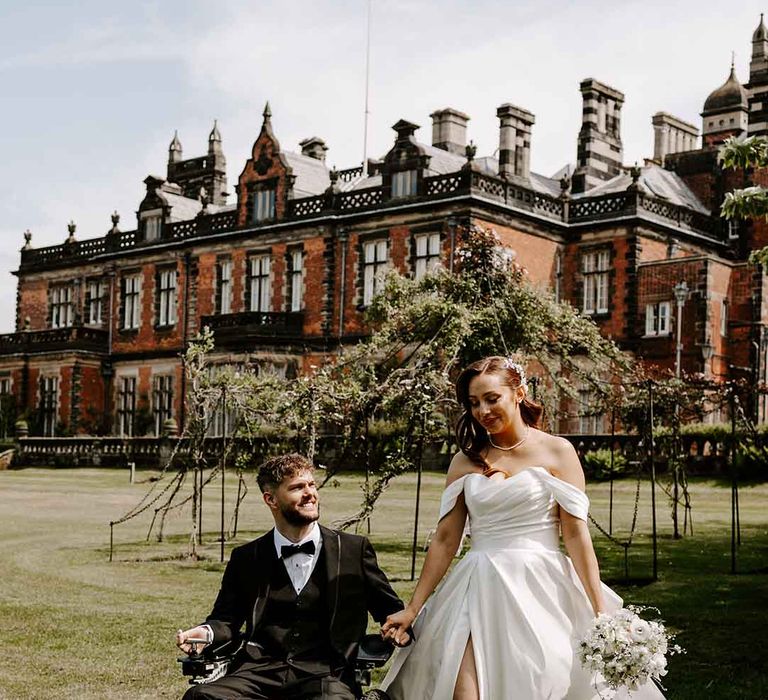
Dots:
(511, 447)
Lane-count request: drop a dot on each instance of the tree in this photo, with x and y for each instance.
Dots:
(401, 376)
(750, 202)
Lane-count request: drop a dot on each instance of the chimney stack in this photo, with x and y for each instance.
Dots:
(314, 147)
(449, 130)
(672, 135)
(514, 141)
(599, 153)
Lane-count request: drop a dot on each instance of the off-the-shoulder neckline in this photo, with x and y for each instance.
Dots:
(506, 478)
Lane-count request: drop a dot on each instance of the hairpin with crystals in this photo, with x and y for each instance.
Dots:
(509, 363)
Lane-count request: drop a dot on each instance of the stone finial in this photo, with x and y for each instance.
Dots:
(27, 240)
(174, 149)
(71, 227)
(204, 199)
(471, 151)
(565, 185)
(115, 221)
(635, 171)
(333, 175)
(215, 135)
(214, 140)
(267, 113)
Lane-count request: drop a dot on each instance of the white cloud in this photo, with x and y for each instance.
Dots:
(308, 58)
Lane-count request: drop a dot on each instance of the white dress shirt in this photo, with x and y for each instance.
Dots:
(299, 566)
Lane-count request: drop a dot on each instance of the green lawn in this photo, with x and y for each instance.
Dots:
(74, 625)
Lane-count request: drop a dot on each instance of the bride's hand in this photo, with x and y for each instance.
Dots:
(395, 629)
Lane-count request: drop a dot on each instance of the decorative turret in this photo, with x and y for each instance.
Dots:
(208, 171)
(757, 87)
(214, 141)
(725, 111)
(174, 150)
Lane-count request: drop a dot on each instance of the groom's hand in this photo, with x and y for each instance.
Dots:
(193, 641)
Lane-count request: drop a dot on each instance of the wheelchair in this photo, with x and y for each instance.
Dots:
(213, 662)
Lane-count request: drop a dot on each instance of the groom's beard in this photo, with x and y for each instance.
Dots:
(296, 516)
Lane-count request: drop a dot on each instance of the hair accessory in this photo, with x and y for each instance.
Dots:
(509, 363)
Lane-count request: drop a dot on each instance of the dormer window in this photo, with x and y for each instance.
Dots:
(263, 204)
(404, 183)
(152, 221)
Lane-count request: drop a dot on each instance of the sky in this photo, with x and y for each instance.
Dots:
(91, 92)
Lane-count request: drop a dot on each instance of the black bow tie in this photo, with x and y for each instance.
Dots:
(288, 550)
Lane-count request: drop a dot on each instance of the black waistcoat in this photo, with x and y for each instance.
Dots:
(294, 627)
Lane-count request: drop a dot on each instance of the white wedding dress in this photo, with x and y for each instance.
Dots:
(515, 593)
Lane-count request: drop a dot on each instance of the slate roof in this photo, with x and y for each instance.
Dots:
(311, 174)
(657, 182)
(182, 208)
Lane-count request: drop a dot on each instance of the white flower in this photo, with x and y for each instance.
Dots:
(640, 630)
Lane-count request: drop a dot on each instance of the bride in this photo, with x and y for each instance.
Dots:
(504, 623)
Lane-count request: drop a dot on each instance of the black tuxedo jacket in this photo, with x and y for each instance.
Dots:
(356, 586)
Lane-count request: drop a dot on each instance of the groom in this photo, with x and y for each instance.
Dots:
(303, 592)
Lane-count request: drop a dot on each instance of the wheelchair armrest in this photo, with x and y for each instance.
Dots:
(210, 664)
(373, 652)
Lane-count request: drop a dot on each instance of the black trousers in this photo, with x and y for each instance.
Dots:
(268, 680)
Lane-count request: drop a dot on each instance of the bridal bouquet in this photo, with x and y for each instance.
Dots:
(625, 649)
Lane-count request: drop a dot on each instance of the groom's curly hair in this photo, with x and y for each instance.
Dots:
(275, 470)
(472, 437)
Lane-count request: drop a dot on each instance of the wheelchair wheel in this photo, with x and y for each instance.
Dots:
(375, 695)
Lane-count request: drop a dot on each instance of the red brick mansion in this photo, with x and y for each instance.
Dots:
(284, 272)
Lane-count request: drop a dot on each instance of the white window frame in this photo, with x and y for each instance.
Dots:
(264, 204)
(427, 254)
(153, 221)
(225, 285)
(595, 266)
(404, 183)
(658, 318)
(162, 400)
(95, 302)
(49, 404)
(375, 264)
(62, 306)
(131, 301)
(126, 405)
(259, 272)
(166, 296)
(297, 280)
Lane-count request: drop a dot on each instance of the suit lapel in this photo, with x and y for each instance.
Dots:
(265, 559)
(332, 547)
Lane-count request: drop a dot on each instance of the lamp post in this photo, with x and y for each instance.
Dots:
(681, 296)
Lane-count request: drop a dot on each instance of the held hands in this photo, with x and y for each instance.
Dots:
(395, 629)
(192, 641)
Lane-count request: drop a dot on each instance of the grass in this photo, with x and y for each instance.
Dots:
(75, 625)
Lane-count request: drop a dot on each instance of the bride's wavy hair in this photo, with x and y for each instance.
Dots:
(471, 437)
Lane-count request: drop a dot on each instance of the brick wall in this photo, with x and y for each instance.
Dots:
(536, 253)
(33, 303)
